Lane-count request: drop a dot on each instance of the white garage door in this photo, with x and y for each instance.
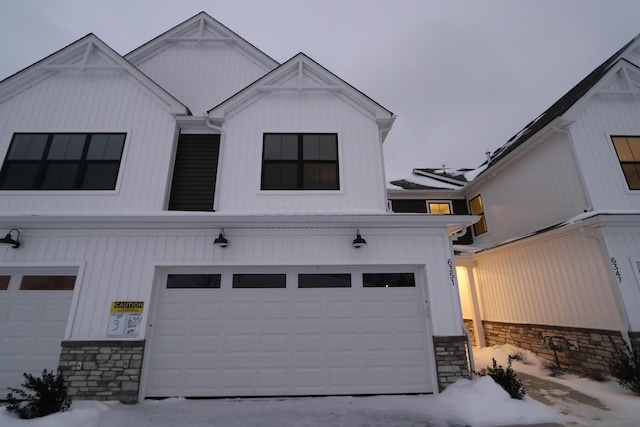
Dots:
(33, 317)
(293, 334)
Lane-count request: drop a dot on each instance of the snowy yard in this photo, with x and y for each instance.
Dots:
(467, 403)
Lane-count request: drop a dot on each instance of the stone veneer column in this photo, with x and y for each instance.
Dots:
(451, 359)
(102, 370)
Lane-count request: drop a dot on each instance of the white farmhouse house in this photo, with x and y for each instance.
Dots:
(196, 219)
(555, 259)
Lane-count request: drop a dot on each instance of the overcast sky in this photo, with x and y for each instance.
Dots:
(462, 76)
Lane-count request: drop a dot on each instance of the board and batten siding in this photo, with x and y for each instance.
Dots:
(120, 264)
(541, 189)
(602, 117)
(623, 247)
(562, 281)
(92, 101)
(359, 155)
(202, 75)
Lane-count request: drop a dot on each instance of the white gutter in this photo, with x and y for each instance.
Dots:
(627, 324)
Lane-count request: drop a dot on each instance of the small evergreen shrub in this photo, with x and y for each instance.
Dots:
(41, 396)
(506, 378)
(626, 369)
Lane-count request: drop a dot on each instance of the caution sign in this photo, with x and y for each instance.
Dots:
(125, 319)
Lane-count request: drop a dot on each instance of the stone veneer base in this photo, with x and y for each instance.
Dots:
(590, 350)
(102, 370)
(451, 359)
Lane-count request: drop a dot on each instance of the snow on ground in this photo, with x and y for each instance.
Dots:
(475, 403)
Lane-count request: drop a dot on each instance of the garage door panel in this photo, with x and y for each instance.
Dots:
(250, 342)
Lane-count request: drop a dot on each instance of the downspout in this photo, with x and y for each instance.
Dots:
(589, 206)
(472, 363)
(627, 324)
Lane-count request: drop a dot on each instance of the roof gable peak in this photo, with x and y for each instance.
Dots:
(202, 29)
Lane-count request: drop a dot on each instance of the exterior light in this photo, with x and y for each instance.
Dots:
(9, 240)
(221, 240)
(358, 242)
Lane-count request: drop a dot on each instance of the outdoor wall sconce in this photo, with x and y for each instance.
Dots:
(358, 242)
(9, 240)
(221, 240)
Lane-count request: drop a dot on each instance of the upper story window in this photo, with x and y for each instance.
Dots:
(475, 205)
(439, 208)
(628, 151)
(62, 161)
(300, 161)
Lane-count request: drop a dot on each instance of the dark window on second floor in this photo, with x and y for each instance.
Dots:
(628, 151)
(304, 161)
(62, 161)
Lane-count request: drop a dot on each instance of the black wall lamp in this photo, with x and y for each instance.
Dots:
(221, 240)
(358, 242)
(9, 240)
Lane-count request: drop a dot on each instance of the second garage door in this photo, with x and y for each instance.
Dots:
(302, 333)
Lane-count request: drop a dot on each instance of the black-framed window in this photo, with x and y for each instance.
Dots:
(62, 161)
(259, 281)
(476, 208)
(324, 281)
(47, 283)
(300, 161)
(388, 280)
(193, 281)
(628, 152)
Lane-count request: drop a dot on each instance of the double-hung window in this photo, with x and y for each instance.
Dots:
(628, 151)
(300, 161)
(62, 161)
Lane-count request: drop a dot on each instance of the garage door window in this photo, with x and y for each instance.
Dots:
(259, 281)
(324, 281)
(388, 280)
(47, 283)
(193, 281)
(4, 282)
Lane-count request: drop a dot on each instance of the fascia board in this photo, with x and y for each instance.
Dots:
(423, 193)
(195, 220)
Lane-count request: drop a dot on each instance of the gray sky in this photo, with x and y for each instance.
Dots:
(462, 76)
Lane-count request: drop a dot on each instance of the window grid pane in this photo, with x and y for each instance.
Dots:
(193, 281)
(307, 281)
(62, 162)
(259, 281)
(4, 282)
(388, 280)
(47, 283)
(628, 152)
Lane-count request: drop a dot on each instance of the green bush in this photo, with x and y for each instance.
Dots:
(626, 369)
(506, 378)
(42, 396)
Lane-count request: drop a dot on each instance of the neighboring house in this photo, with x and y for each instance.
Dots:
(195, 219)
(555, 260)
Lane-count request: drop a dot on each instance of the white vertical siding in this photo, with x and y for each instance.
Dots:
(94, 101)
(360, 157)
(603, 116)
(563, 282)
(120, 264)
(202, 75)
(623, 244)
(539, 190)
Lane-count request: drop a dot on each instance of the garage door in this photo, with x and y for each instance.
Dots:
(33, 317)
(249, 334)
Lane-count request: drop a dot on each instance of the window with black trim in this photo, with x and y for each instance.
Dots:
(324, 281)
(4, 282)
(47, 283)
(300, 161)
(62, 161)
(439, 208)
(628, 151)
(257, 281)
(193, 281)
(476, 208)
(388, 280)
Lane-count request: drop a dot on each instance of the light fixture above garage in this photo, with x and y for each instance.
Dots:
(221, 240)
(358, 242)
(9, 240)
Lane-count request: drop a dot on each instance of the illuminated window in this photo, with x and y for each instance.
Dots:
(628, 151)
(439, 208)
(475, 205)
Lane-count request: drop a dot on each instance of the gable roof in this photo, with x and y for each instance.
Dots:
(86, 54)
(200, 28)
(561, 106)
(301, 73)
